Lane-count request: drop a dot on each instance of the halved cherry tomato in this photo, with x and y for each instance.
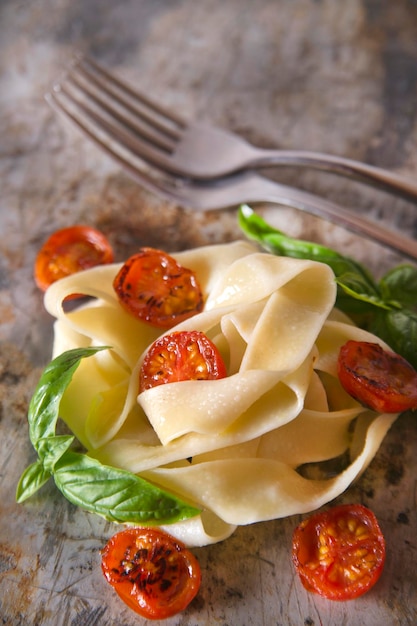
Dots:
(381, 380)
(153, 573)
(68, 251)
(339, 553)
(153, 287)
(181, 355)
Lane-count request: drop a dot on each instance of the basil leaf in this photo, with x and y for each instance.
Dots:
(398, 328)
(32, 479)
(115, 494)
(50, 449)
(388, 308)
(356, 288)
(277, 242)
(44, 405)
(42, 417)
(400, 284)
(353, 279)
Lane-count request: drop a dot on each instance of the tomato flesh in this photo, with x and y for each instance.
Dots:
(153, 573)
(181, 355)
(68, 251)
(381, 380)
(340, 553)
(156, 289)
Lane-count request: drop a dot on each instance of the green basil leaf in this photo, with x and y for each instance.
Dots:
(398, 328)
(50, 449)
(43, 416)
(400, 284)
(44, 405)
(116, 494)
(354, 286)
(388, 308)
(278, 243)
(32, 479)
(354, 280)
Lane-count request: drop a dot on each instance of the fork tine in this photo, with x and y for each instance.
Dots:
(163, 185)
(141, 141)
(134, 126)
(104, 92)
(155, 114)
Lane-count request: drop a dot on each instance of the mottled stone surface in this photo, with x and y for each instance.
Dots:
(323, 75)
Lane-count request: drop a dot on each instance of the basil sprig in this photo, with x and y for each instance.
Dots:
(387, 308)
(115, 494)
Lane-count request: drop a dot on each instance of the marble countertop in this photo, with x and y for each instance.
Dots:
(318, 75)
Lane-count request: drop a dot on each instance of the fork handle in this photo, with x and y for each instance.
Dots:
(252, 187)
(376, 176)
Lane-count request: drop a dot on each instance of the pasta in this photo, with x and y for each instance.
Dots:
(280, 408)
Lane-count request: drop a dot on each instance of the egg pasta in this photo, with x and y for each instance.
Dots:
(234, 446)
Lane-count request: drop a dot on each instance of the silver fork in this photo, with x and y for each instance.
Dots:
(192, 150)
(228, 191)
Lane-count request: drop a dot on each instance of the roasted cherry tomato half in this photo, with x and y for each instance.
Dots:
(153, 573)
(153, 287)
(181, 355)
(68, 251)
(378, 379)
(339, 553)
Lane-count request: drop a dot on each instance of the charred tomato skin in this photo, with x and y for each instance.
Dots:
(179, 356)
(68, 251)
(152, 572)
(339, 553)
(154, 288)
(377, 378)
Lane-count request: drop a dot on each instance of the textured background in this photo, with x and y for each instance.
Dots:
(314, 74)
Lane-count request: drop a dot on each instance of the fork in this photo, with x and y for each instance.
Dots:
(229, 191)
(192, 150)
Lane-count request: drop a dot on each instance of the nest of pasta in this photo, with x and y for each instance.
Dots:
(234, 447)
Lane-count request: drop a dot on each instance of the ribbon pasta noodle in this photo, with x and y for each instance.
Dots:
(233, 446)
